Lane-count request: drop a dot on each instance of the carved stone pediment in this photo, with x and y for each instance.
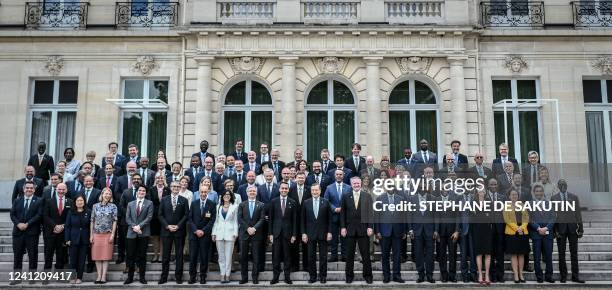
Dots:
(604, 63)
(246, 64)
(54, 65)
(516, 64)
(414, 64)
(331, 65)
(144, 64)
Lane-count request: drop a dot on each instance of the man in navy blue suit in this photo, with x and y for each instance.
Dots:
(239, 153)
(333, 194)
(466, 242)
(269, 190)
(30, 175)
(26, 214)
(446, 248)
(423, 230)
(242, 189)
(460, 160)
(391, 230)
(317, 176)
(407, 162)
(203, 153)
(355, 162)
(117, 158)
(132, 157)
(209, 171)
(339, 160)
(195, 168)
(541, 225)
(252, 164)
(498, 163)
(201, 220)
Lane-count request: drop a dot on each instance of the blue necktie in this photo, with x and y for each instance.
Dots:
(251, 208)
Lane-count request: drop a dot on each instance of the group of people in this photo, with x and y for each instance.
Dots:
(241, 203)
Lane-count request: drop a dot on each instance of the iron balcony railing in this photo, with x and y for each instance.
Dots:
(512, 13)
(592, 13)
(65, 14)
(146, 14)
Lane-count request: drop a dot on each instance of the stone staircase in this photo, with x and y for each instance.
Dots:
(595, 255)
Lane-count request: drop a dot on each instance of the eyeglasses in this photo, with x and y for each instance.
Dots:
(478, 157)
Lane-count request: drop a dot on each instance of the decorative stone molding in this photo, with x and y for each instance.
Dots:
(414, 64)
(246, 64)
(144, 64)
(54, 65)
(515, 63)
(604, 63)
(331, 64)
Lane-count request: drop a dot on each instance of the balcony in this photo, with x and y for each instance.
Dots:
(236, 12)
(592, 13)
(414, 12)
(512, 14)
(146, 14)
(41, 15)
(330, 12)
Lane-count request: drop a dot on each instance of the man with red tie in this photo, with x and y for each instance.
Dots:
(54, 217)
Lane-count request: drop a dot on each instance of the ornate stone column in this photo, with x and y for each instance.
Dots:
(459, 114)
(288, 132)
(373, 107)
(203, 114)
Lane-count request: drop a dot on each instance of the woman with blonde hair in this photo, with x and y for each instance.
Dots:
(102, 228)
(517, 235)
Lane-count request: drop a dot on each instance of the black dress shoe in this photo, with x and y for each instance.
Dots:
(578, 280)
(454, 280)
(179, 280)
(343, 259)
(273, 281)
(255, 280)
(522, 281)
(202, 281)
(310, 281)
(333, 259)
(323, 280)
(348, 280)
(386, 280)
(517, 281)
(191, 281)
(162, 281)
(369, 280)
(243, 282)
(549, 280)
(129, 280)
(540, 280)
(466, 280)
(288, 281)
(399, 280)
(421, 279)
(444, 280)
(142, 281)
(431, 280)
(501, 280)
(563, 280)
(15, 282)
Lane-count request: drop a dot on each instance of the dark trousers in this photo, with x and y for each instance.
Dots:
(24, 243)
(121, 241)
(542, 248)
(54, 245)
(167, 242)
(337, 239)
(447, 257)
(312, 259)
(468, 269)
(573, 247)
(78, 254)
(404, 248)
(297, 248)
(199, 252)
(137, 255)
(497, 259)
(423, 252)
(254, 246)
(281, 252)
(364, 250)
(388, 245)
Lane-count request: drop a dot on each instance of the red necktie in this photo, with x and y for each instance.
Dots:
(60, 208)
(138, 209)
(107, 181)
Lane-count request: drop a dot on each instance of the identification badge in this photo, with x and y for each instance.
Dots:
(207, 214)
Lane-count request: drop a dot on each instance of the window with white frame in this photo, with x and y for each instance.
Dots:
(597, 95)
(53, 109)
(144, 114)
(413, 115)
(520, 128)
(330, 119)
(247, 115)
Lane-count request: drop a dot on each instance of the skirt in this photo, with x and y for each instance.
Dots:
(101, 250)
(517, 244)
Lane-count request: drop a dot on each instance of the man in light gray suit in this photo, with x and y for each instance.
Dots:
(138, 217)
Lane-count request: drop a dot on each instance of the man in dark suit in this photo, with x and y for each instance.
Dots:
(109, 161)
(49, 191)
(334, 193)
(125, 181)
(132, 157)
(76, 185)
(541, 224)
(239, 175)
(195, 168)
(252, 164)
(219, 187)
(201, 220)
(407, 162)
(267, 191)
(316, 218)
(298, 156)
(423, 158)
(391, 230)
(355, 163)
(326, 163)
(531, 171)
(497, 257)
(26, 214)
(239, 153)
(276, 165)
(317, 176)
(339, 161)
(423, 231)
(505, 179)
(479, 170)
(54, 217)
(468, 266)
(209, 171)
(299, 192)
(568, 227)
(29, 176)
(264, 154)
(242, 189)
(498, 163)
(138, 218)
(173, 214)
(127, 196)
(448, 230)
(203, 153)
(117, 158)
(147, 175)
(369, 169)
(460, 160)
(108, 179)
(282, 231)
(251, 218)
(43, 163)
(356, 228)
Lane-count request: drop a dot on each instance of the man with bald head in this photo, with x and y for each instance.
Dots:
(125, 181)
(30, 175)
(369, 169)
(54, 217)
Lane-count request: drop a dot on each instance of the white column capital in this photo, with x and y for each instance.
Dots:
(458, 60)
(372, 60)
(288, 60)
(204, 60)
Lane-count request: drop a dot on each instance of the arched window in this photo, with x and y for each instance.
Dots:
(330, 119)
(247, 115)
(413, 115)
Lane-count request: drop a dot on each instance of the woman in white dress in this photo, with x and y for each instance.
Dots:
(225, 233)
